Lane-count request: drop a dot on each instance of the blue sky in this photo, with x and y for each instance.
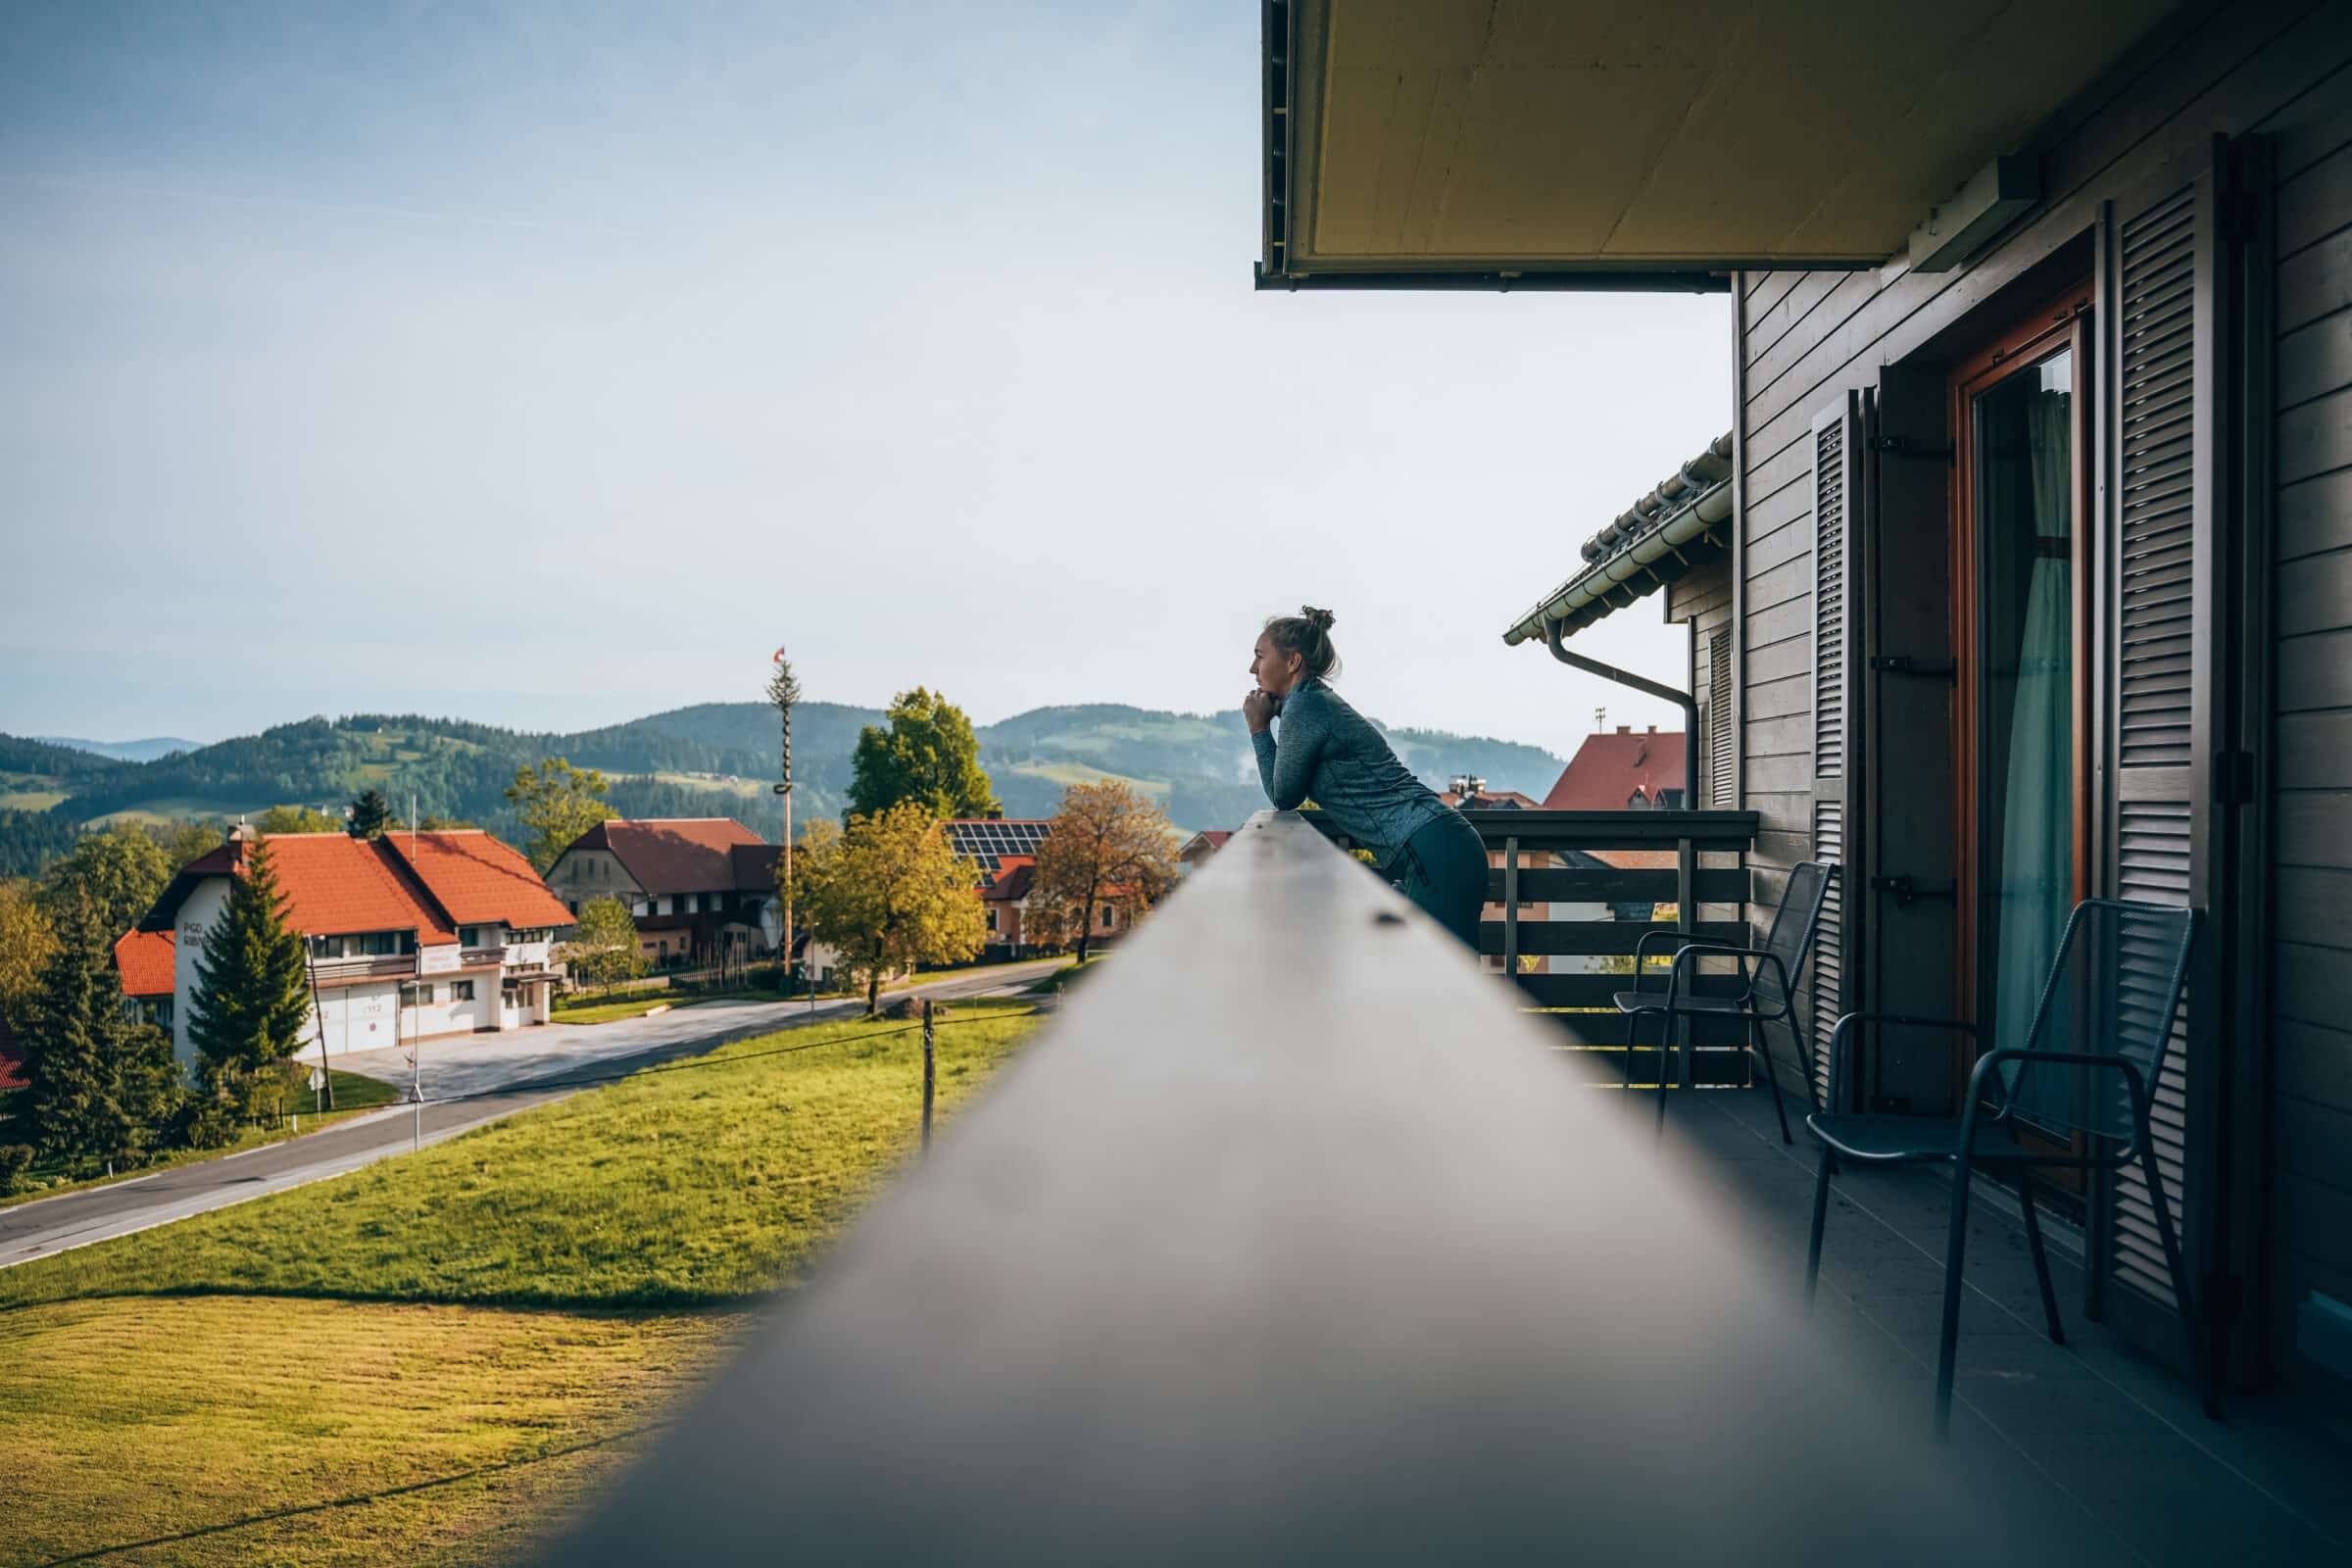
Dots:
(549, 365)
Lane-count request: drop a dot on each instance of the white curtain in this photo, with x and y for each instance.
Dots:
(2037, 886)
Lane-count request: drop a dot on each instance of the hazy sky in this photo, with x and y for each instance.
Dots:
(552, 368)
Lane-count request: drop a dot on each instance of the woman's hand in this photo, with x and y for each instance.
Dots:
(1259, 710)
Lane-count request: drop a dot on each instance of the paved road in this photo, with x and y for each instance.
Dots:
(507, 1074)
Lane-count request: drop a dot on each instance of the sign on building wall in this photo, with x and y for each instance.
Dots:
(440, 961)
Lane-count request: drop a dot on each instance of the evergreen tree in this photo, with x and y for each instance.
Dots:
(929, 758)
(253, 993)
(101, 1081)
(369, 814)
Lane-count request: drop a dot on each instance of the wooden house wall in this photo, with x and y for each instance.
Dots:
(2311, 838)
(1808, 338)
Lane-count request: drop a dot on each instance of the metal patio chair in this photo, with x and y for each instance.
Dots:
(1768, 977)
(2099, 1034)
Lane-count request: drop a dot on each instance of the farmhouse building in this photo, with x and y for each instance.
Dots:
(698, 887)
(410, 936)
(2021, 573)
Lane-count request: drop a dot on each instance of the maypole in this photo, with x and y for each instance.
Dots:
(784, 691)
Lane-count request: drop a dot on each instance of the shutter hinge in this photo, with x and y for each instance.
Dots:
(1906, 892)
(2235, 785)
(1903, 446)
(1905, 664)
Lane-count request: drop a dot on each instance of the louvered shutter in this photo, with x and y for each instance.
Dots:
(2163, 368)
(1836, 654)
(1723, 773)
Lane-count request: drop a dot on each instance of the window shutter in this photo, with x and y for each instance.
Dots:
(2160, 288)
(1836, 469)
(1723, 773)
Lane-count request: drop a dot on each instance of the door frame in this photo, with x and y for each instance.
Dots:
(2061, 322)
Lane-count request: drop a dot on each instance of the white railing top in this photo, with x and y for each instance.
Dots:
(1289, 1239)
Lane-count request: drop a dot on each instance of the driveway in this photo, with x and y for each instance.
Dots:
(499, 1073)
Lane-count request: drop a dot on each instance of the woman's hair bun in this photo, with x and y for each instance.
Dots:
(1320, 619)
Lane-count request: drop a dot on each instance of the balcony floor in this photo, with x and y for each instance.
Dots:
(2097, 1453)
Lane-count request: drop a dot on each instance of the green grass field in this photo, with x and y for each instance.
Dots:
(428, 1360)
(1080, 773)
(354, 1093)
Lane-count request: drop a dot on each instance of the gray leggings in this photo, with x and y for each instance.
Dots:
(1442, 869)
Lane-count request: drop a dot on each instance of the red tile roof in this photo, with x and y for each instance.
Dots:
(673, 854)
(1015, 875)
(12, 1059)
(334, 885)
(1607, 769)
(144, 960)
(754, 867)
(477, 879)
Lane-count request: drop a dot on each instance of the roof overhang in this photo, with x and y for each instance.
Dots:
(1683, 523)
(1566, 144)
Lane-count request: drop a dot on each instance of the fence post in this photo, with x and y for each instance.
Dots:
(928, 1074)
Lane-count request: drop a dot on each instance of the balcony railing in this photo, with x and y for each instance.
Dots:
(1290, 1238)
(381, 966)
(1595, 895)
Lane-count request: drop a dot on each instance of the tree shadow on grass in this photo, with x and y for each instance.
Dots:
(624, 1306)
(356, 1498)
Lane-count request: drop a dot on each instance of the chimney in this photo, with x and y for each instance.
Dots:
(1625, 729)
(1653, 729)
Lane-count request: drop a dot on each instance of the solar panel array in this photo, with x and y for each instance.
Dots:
(989, 840)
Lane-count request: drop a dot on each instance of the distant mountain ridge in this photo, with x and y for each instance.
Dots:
(709, 760)
(146, 751)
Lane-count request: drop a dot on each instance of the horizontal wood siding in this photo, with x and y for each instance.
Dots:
(2311, 823)
(2280, 69)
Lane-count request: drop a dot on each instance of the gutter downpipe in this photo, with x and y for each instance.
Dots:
(1648, 688)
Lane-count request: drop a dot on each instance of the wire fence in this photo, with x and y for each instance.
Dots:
(560, 1081)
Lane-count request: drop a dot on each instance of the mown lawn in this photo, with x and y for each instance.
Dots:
(487, 1322)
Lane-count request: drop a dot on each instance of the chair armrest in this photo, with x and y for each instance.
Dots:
(1720, 949)
(2137, 1084)
(1642, 955)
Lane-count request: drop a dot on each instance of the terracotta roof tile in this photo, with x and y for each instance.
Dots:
(478, 879)
(334, 885)
(672, 855)
(1607, 769)
(144, 959)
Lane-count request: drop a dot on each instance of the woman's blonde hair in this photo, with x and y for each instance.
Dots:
(1308, 636)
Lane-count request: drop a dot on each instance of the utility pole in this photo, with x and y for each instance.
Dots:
(928, 1075)
(784, 690)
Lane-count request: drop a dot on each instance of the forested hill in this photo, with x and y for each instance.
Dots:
(713, 759)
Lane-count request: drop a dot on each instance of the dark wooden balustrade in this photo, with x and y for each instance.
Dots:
(1707, 886)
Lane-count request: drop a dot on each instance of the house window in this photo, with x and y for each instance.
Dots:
(1107, 917)
(461, 991)
(419, 995)
(992, 920)
(663, 908)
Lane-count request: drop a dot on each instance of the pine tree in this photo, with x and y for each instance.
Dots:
(369, 814)
(252, 987)
(102, 1081)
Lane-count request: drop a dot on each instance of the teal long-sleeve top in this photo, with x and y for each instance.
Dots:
(1330, 754)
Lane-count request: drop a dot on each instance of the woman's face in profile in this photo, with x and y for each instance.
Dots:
(1275, 671)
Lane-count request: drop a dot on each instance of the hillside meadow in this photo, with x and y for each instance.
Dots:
(430, 1360)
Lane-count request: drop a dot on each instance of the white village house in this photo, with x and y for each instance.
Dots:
(411, 936)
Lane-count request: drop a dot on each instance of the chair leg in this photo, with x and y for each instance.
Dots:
(1955, 1247)
(2200, 1356)
(2042, 1261)
(1757, 1043)
(1674, 1025)
(1821, 1218)
(1633, 1038)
